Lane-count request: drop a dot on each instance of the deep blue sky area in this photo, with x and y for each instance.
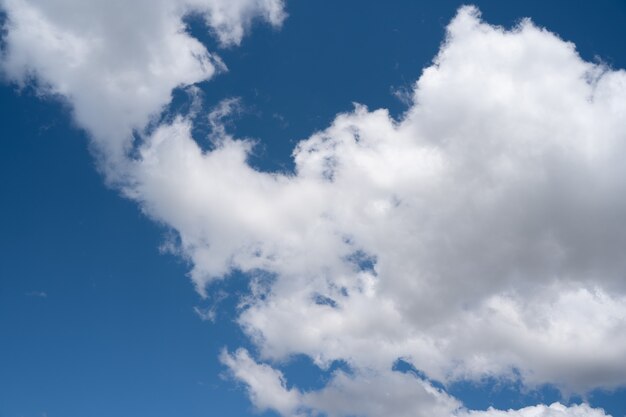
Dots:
(96, 322)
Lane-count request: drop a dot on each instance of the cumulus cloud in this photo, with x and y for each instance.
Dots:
(366, 393)
(480, 235)
(370, 393)
(266, 386)
(116, 62)
(554, 410)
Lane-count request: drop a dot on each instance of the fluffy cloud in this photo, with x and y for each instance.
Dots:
(365, 393)
(116, 61)
(479, 235)
(554, 410)
(370, 394)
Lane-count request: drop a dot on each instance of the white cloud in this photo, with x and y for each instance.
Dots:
(480, 235)
(492, 214)
(266, 385)
(116, 61)
(554, 410)
(369, 393)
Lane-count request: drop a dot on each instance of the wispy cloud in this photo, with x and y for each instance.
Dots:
(38, 294)
(118, 73)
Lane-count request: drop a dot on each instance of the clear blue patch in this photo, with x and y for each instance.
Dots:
(323, 300)
(504, 394)
(363, 261)
(300, 372)
(401, 365)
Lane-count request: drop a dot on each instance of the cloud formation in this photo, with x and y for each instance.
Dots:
(117, 62)
(480, 235)
(370, 393)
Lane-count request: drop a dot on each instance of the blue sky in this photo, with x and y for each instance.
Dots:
(99, 318)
